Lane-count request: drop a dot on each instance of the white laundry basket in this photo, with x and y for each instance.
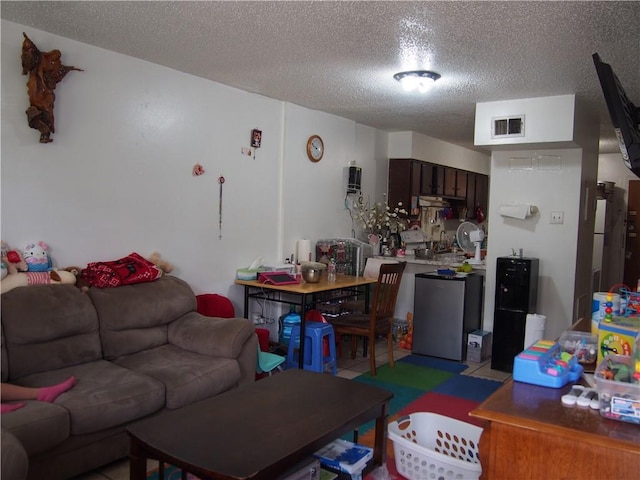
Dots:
(431, 446)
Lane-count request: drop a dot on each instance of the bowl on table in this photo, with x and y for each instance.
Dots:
(312, 274)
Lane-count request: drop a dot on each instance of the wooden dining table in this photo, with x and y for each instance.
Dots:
(306, 294)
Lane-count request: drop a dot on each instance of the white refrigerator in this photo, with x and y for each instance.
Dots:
(608, 241)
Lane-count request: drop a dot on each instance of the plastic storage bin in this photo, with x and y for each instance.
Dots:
(581, 344)
(428, 445)
(618, 400)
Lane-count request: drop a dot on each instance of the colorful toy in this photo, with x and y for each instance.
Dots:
(11, 260)
(543, 363)
(37, 258)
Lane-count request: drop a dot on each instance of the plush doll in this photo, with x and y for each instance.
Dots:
(163, 265)
(81, 283)
(24, 279)
(37, 258)
(11, 260)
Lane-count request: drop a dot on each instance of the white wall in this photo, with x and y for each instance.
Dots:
(554, 245)
(118, 176)
(611, 168)
(546, 119)
(421, 147)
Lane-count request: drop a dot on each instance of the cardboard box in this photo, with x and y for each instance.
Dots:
(478, 346)
(617, 336)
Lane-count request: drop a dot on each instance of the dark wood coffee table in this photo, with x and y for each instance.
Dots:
(260, 430)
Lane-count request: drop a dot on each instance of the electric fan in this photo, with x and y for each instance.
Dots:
(470, 238)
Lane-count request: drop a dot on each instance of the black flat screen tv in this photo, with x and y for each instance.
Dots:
(625, 116)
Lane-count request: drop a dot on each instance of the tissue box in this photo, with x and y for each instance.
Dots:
(478, 346)
(248, 273)
(617, 336)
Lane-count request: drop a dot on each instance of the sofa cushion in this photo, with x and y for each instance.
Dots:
(187, 376)
(219, 337)
(105, 395)
(48, 327)
(38, 425)
(15, 462)
(134, 318)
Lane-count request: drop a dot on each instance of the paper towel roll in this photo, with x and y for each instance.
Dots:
(534, 329)
(304, 250)
(517, 211)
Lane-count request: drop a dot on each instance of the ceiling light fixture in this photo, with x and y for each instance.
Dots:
(417, 79)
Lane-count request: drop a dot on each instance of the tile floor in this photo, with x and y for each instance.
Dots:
(347, 368)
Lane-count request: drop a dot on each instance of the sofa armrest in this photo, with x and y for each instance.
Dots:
(15, 461)
(218, 337)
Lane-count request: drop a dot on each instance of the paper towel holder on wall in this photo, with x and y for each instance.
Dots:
(519, 211)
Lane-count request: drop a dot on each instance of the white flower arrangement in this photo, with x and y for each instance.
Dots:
(376, 217)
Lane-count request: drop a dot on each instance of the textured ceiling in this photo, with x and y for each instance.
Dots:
(339, 57)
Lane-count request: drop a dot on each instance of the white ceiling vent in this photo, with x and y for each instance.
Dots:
(506, 127)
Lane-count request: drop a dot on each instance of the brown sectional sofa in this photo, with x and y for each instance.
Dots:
(136, 351)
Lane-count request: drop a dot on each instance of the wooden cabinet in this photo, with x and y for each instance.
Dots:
(470, 203)
(404, 184)
(409, 179)
(477, 194)
(461, 183)
(531, 434)
(455, 183)
(438, 184)
(482, 191)
(427, 179)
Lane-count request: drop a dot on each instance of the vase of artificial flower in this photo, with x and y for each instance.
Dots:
(378, 221)
(374, 240)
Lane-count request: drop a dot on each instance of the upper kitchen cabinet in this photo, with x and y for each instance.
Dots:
(432, 179)
(404, 184)
(477, 194)
(409, 179)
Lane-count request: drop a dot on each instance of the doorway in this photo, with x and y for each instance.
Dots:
(632, 249)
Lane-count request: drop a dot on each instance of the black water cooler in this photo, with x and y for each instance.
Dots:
(516, 296)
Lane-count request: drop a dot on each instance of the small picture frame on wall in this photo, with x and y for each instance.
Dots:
(256, 138)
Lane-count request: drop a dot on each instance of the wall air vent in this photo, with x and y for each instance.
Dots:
(506, 127)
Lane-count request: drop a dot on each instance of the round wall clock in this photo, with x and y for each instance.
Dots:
(315, 148)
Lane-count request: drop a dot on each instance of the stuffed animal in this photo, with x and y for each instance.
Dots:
(11, 260)
(81, 283)
(24, 279)
(37, 258)
(163, 265)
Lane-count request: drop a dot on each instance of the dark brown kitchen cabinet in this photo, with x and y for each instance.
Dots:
(461, 183)
(455, 183)
(426, 179)
(471, 195)
(449, 182)
(482, 192)
(438, 180)
(409, 179)
(404, 184)
(477, 194)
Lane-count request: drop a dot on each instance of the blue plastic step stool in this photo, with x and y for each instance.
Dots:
(314, 358)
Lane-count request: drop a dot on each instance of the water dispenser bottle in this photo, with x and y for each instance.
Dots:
(287, 322)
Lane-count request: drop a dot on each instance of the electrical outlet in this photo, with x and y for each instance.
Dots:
(557, 218)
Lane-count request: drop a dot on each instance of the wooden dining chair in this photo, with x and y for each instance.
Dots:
(379, 321)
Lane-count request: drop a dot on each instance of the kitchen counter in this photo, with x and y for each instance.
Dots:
(440, 260)
(406, 294)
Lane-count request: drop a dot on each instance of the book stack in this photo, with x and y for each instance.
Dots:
(346, 457)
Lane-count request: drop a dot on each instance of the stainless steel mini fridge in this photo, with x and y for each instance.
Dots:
(445, 310)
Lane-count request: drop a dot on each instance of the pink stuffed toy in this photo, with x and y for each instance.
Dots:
(37, 258)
